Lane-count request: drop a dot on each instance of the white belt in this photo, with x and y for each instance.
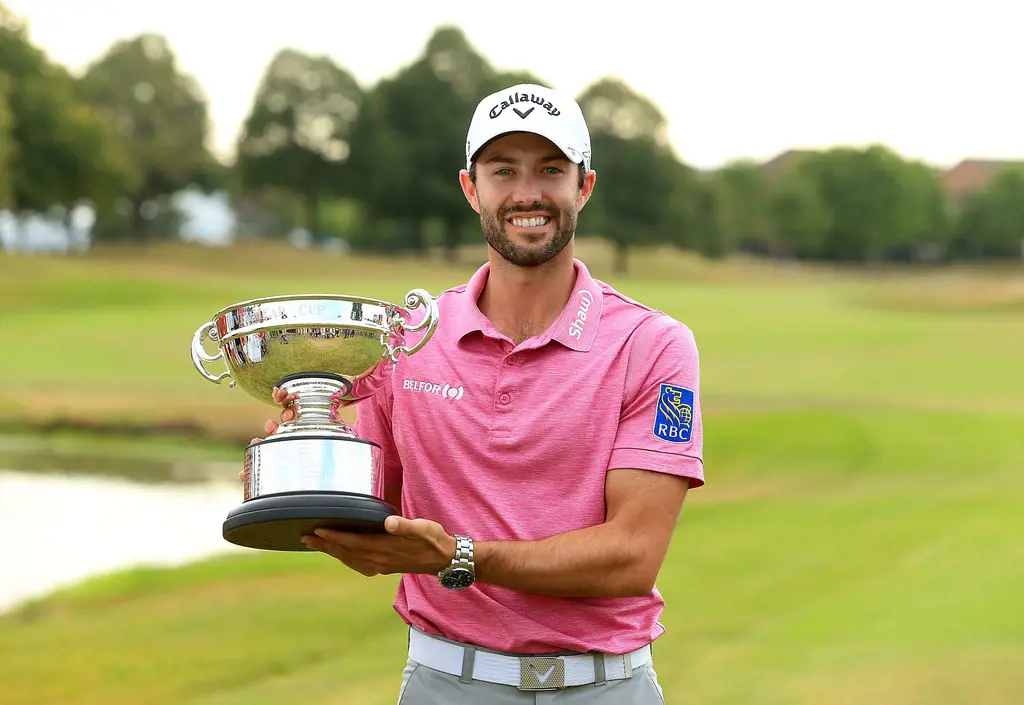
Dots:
(524, 672)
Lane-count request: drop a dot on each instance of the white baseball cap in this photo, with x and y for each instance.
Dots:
(528, 107)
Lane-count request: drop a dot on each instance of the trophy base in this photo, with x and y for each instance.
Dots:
(278, 522)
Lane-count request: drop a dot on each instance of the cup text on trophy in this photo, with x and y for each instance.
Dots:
(311, 309)
(576, 327)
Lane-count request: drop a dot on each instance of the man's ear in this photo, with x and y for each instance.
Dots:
(587, 189)
(469, 189)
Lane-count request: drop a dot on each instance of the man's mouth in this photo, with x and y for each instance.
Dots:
(533, 222)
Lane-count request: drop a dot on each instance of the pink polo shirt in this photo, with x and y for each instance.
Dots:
(504, 442)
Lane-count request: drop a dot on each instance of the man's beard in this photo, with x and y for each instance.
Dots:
(496, 233)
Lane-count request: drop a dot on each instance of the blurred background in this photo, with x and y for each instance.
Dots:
(831, 198)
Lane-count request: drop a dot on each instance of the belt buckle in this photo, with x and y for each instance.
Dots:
(541, 673)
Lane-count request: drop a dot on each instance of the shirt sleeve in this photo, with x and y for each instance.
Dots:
(660, 427)
(373, 423)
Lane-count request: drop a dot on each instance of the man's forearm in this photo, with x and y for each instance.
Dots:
(599, 561)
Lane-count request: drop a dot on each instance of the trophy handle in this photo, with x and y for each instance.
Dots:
(417, 298)
(199, 356)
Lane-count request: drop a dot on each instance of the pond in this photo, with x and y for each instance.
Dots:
(59, 526)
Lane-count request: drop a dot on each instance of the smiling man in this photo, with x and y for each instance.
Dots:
(540, 447)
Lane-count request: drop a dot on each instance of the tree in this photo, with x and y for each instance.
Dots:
(637, 179)
(379, 154)
(801, 220)
(58, 150)
(923, 220)
(298, 135)
(696, 214)
(744, 198)
(160, 117)
(7, 146)
(101, 171)
(878, 202)
(412, 135)
(991, 223)
(9, 27)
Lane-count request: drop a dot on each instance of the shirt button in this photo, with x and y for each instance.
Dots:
(512, 360)
(504, 398)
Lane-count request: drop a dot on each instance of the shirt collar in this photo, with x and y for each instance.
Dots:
(575, 327)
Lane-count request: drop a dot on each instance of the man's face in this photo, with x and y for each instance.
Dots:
(528, 195)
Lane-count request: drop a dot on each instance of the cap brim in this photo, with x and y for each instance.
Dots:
(567, 151)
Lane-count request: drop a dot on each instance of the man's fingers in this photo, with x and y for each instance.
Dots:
(281, 396)
(411, 528)
(270, 426)
(360, 565)
(285, 400)
(368, 568)
(354, 542)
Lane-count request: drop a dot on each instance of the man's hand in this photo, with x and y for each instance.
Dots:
(409, 546)
(285, 399)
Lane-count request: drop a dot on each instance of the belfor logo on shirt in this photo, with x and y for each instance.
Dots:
(447, 391)
(673, 420)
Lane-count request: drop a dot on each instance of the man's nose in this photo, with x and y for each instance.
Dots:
(527, 190)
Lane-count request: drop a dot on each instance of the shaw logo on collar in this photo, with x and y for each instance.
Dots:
(576, 327)
(673, 420)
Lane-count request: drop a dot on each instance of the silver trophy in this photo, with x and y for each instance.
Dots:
(332, 350)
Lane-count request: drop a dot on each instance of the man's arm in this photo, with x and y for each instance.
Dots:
(660, 437)
(619, 558)
(657, 457)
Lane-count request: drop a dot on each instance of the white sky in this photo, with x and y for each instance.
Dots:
(735, 79)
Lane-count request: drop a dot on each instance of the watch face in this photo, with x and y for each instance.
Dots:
(457, 579)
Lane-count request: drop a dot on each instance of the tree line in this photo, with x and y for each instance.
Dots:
(377, 165)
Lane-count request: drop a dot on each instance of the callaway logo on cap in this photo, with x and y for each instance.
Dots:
(531, 108)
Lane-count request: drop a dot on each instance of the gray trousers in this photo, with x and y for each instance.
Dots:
(422, 685)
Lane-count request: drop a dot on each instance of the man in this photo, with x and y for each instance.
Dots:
(540, 445)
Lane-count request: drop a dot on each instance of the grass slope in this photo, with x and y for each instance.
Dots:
(858, 541)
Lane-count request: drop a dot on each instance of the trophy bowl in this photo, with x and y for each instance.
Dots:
(331, 350)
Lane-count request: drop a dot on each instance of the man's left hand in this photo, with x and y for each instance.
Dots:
(408, 546)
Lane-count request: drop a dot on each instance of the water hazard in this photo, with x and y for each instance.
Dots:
(61, 525)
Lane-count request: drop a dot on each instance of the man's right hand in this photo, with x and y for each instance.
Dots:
(281, 397)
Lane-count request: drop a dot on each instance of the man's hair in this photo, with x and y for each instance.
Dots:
(579, 181)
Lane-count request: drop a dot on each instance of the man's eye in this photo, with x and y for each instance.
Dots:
(503, 172)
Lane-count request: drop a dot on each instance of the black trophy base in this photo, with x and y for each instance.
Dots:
(278, 522)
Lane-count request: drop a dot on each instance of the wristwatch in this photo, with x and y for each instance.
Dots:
(462, 571)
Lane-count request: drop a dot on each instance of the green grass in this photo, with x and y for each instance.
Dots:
(858, 540)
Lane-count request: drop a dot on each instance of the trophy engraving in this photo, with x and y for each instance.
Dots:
(313, 471)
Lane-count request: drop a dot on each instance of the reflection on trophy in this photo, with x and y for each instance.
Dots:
(313, 471)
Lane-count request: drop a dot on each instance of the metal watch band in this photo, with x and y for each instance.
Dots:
(463, 551)
(461, 572)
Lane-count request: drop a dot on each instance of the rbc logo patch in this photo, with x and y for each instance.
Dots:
(673, 421)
